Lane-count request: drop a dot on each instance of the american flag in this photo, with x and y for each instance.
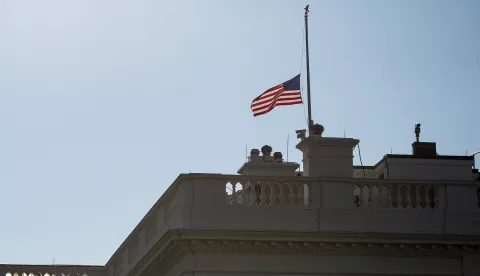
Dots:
(287, 93)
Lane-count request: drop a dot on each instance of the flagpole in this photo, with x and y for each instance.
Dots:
(310, 121)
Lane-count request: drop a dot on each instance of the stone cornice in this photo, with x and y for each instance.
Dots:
(331, 249)
(327, 236)
(178, 242)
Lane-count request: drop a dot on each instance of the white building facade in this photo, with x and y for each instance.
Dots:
(415, 214)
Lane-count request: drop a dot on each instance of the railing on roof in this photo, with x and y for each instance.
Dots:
(212, 201)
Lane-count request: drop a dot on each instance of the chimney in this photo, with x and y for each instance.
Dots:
(326, 156)
(267, 164)
(425, 150)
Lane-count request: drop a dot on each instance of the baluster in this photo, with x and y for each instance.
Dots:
(281, 193)
(389, 196)
(380, 200)
(247, 190)
(402, 193)
(308, 194)
(430, 201)
(408, 196)
(263, 193)
(435, 196)
(361, 201)
(270, 193)
(301, 194)
(291, 194)
(296, 193)
(355, 196)
(227, 190)
(397, 201)
(242, 194)
(253, 192)
(273, 193)
(234, 192)
(418, 199)
(370, 195)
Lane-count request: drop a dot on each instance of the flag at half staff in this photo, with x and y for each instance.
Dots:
(287, 93)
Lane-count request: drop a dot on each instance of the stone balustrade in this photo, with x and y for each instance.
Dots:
(214, 201)
(268, 192)
(396, 195)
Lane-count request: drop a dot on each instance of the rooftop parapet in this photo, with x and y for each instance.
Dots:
(303, 204)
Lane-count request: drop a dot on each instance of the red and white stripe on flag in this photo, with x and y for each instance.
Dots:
(283, 94)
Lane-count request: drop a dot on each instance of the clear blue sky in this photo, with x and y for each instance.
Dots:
(103, 103)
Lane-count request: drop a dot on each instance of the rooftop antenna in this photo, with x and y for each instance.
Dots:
(246, 153)
(343, 132)
(361, 163)
(288, 138)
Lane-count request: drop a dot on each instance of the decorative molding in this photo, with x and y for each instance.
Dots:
(330, 252)
(177, 243)
(329, 248)
(321, 236)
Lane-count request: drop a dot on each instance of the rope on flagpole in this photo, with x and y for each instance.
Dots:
(301, 86)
